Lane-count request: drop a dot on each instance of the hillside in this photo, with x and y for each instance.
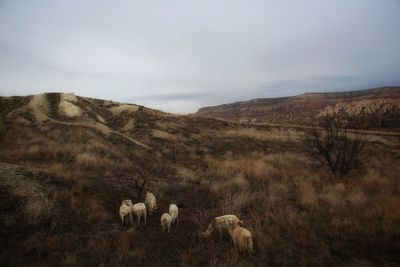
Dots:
(66, 162)
(379, 106)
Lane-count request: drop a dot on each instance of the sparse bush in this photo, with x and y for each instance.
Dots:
(340, 146)
(142, 176)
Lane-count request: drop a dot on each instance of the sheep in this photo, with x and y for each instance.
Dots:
(151, 202)
(124, 210)
(241, 237)
(139, 209)
(173, 212)
(218, 223)
(166, 220)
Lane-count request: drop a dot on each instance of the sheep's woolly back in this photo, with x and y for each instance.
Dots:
(166, 221)
(241, 237)
(139, 208)
(219, 223)
(173, 211)
(151, 201)
(124, 210)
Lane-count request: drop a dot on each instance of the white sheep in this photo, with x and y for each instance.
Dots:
(139, 209)
(218, 223)
(151, 202)
(166, 221)
(241, 237)
(173, 212)
(124, 210)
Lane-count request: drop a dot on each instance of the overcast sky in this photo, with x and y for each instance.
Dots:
(178, 56)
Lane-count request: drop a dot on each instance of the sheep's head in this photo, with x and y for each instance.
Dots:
(127, 202)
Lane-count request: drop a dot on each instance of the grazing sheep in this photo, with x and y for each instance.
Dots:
(241, 237)
(173, 212)
(139, 209)
(151, 202)
(124, 210)
(218, 223)
(166, 220)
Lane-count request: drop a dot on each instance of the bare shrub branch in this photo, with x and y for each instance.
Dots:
(138, 179)
(339, 141)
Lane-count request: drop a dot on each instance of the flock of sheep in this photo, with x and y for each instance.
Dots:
(240, 237)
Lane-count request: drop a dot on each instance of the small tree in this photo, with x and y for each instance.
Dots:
(139, 178)
(338, 144)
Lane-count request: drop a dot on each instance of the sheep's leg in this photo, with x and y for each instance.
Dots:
(240, 245)
(145, 217)
(138, 219)
(122, 219)
(130, 214)
(250, 246)
(220, 233)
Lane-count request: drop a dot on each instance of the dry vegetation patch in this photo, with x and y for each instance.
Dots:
(162, 135)
(40, 107)
(298, 212)
(68, 109)
(118, 109)
(271, 134)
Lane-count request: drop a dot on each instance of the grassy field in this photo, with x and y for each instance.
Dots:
(60, 201)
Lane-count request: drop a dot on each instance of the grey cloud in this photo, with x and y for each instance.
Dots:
(181, 55)
(308, 84)
(333, 79)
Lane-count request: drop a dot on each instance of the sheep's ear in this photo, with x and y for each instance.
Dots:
(231, 222)
(241, 222)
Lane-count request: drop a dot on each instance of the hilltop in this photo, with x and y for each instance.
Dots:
(380, 106)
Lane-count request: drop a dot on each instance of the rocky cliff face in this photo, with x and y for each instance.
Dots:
(380, 106)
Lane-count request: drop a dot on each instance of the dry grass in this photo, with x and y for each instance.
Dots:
(307, 195)
(87, 160)
(40, 107)
(69, 110)
(270, 188)
(162, 135)
(117, 110)
(273, 135)
(298, 213)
